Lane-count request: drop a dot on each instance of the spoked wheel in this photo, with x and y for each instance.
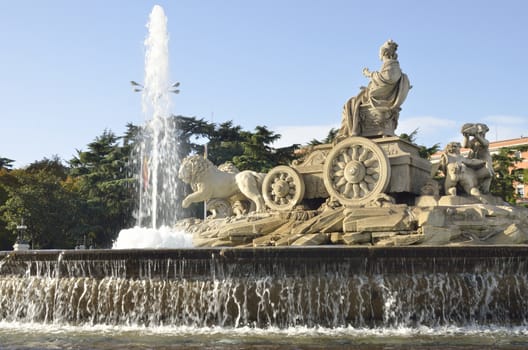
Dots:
(356, 171)
(282, 188)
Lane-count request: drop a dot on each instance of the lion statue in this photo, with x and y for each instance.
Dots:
(209, 182)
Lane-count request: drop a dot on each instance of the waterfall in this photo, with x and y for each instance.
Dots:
(262, 288)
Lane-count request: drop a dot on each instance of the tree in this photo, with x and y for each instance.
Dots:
(257, 153)
(100, 174)
(51, 166)
(330, 137)
(229, 142)
(7, 237)
(225, 143)
(50, 210)
(423, 151)
(191, 128)
(6, 163)
(506, 177)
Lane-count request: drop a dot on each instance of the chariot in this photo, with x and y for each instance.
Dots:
(354, 172)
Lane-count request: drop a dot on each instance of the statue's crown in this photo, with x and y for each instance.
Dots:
(391, 45)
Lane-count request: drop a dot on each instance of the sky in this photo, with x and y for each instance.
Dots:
(65, 66)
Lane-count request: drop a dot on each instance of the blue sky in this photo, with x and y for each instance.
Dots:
(65, 66)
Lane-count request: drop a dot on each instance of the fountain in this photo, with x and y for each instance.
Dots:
(327, 287)
(158, 198)
(159, 202)
(385, 249)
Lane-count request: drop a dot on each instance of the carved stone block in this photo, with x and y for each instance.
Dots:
(354, 238)
(251, 228)
(328, 221)
(433, 217)
(288, 240)
(513, 234)
(457, 200)
(393, 222)
(337, 238)
(311, 239)
(264, 241)
(405, 240)
(426, 201)
(438, 235)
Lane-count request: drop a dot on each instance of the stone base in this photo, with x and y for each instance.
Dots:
(21, 246)
(426, 201)
(458, 200)
(454, 220)
(409, 172)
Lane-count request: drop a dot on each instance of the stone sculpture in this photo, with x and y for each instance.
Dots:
(368, 188)
(375, 110)
(375, 218)
(475, 140)
(209, 182)
(460, 170)
(472, 173)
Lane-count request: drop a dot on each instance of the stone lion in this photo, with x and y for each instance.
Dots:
(208, 182)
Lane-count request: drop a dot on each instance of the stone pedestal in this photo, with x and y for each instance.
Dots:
(20, 246)
(409, 172)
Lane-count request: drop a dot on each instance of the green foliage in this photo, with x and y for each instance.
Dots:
(101, 179)
(257, 153)
(7, 237)
(423, 151)
(6, 163)
(50, 210)
(191, 129)
(502, 184)
(225, 143)
(328, 139)
(228, 142)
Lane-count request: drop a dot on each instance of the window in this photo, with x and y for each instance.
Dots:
(520, 190)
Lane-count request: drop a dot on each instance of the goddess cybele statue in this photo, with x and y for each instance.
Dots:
(375, 110)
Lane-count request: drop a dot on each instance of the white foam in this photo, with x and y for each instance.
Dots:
(296, 331)
(142, 238)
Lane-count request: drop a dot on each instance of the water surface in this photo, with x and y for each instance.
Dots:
(39, 336)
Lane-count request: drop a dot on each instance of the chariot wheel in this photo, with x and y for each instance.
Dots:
(355, 171)
(282, 188)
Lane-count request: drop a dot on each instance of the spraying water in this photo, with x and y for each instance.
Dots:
(159, 202)
(159, 160)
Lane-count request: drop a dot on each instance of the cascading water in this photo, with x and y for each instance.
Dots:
(334, 297)
(265, 288)
(159, 202)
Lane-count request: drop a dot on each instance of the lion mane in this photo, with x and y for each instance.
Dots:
(209, 182)
(194, 169)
